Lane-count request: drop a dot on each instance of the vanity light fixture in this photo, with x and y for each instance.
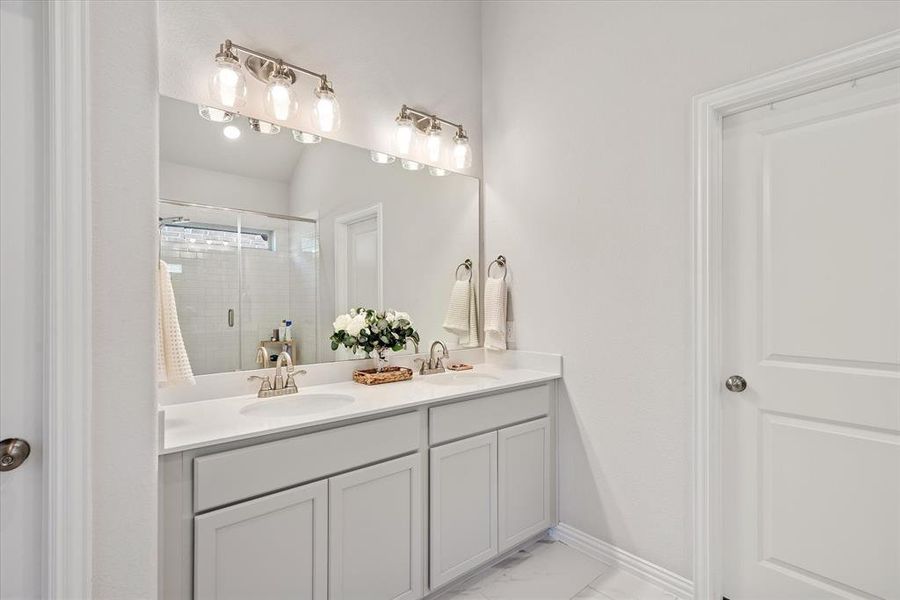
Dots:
(381, 158)
(411, 120)
(228, 88)
(438, 172)
(216, 115)
(411, 165)
(260, 126)
(232, 132)
(304, 137)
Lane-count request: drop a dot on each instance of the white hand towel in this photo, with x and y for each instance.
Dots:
(172, 362)
(462, 313)
(495, 314)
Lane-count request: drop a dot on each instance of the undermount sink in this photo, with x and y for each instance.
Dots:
(461, 378)
(296, 405)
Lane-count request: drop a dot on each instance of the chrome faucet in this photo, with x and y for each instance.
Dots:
(434, 364)
(283, 385)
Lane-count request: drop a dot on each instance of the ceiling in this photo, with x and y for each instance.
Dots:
(188, 139)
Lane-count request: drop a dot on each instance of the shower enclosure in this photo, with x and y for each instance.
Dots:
(237, 275)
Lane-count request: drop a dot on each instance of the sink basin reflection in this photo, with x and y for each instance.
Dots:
(296, 405)
(460, 378)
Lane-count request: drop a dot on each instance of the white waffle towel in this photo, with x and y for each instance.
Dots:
(495, 314)
(172, 363)
(462, 314)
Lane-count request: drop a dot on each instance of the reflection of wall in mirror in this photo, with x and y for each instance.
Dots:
(430, 225)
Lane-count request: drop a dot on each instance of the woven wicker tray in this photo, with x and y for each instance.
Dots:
(387, 375)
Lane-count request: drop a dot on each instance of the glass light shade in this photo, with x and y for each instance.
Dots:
(232, 132)
(438, 172)
(227, 84)
(327, 111)
(433, 145)
(404, 134)
(216, 115)
(304, 137)
(381, 158)
(411, 165)
(265, 127)
(462, 153)
(281, 101)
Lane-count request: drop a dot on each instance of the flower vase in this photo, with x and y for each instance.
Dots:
(381, 359)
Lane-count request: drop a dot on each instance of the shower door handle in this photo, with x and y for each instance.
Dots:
(231, 317)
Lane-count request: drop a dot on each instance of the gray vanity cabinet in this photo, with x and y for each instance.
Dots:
(270, 547)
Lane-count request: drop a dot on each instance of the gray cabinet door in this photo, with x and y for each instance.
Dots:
(375, 532)
(463, 506)
(272, 547)
(524, 477)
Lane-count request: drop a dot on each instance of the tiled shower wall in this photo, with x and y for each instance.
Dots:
(261, 286)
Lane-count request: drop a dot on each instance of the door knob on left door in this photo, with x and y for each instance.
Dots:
(13, 453)
(736, 383)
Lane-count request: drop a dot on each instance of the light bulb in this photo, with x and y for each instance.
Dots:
(232, 132)
(403, 135)
(327, 110)
(437, 171)
(381, 158)
(462, 152)
(227, 85)
(433, 141)
(411, 165)
(281, 102)
(265, 127)
(216, 115)
(304, 137)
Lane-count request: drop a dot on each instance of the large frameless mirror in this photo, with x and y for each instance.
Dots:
(259, 230)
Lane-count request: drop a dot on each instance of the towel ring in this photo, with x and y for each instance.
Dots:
(500, 261)
(467, 264)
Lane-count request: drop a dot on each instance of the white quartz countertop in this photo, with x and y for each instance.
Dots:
(207, 422)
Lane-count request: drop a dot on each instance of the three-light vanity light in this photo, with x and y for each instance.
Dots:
(228, 89)
(412, 124)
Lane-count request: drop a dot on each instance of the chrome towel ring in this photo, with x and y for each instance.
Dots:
(467, 264)
(500, 261)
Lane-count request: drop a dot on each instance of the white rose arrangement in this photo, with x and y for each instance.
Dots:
(368, 330)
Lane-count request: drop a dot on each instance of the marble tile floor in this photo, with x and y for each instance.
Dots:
(549, 570)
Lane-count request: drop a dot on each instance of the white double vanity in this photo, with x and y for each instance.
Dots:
(391, 492)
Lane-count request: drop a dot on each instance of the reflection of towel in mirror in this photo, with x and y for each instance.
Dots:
(172, 363)
(462, 319)
(495, 314)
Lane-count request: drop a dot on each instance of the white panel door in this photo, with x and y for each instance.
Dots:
(272, 548)
(463, 530)
(811, 306)
(523, 471)
(375, 532)
(362, 263)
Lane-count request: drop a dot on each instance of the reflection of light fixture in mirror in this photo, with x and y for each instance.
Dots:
(437, 171)
(265, 127)
(433, 140)
(304, 137)
(462, 152)
(403, 134)
(281, 101)
(232, 132)
(327, 110)
(411, 165)
(216, 115)
(228, 88)
(381, 158)
(227, 84)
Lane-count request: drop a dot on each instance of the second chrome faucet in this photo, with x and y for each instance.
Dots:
(434, 364)
(283, 384)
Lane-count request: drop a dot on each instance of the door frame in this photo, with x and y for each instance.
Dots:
(708, 112)
(66, 395)
(341, 226)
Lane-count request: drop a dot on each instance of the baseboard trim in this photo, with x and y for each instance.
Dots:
(613, 555)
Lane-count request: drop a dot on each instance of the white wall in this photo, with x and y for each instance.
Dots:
(430, 225)
(215, 188)
(124, 190)
(601, 172)
(379, 54)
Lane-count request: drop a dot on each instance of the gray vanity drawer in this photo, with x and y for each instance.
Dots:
(468, 417)
(237, 474)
